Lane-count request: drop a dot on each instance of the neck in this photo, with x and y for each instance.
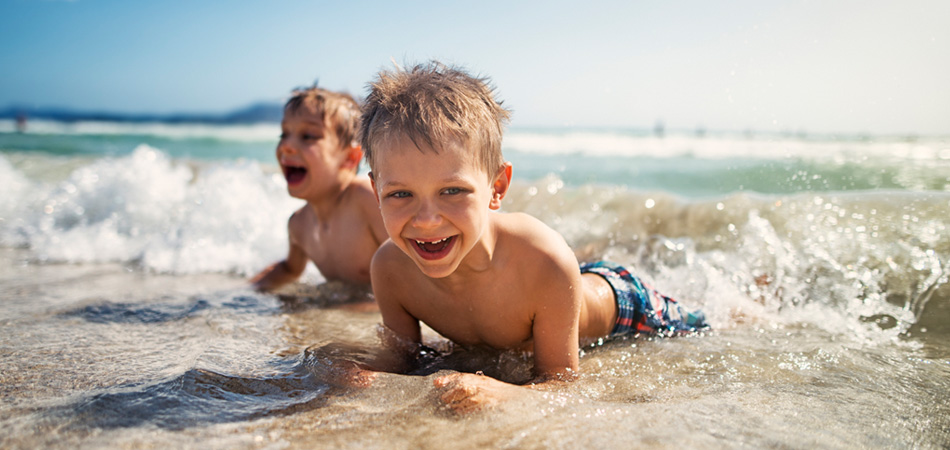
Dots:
(324, 206)
(479, 261)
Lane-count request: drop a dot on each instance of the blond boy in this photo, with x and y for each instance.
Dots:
(339, 228)
(432, 136)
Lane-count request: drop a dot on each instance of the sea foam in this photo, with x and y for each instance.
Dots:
(727, 146)
(148, 210)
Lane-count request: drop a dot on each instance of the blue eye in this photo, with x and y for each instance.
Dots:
(400, 194)
(452, 191)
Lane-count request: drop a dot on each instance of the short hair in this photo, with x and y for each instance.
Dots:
(338, 110)
(434, 104)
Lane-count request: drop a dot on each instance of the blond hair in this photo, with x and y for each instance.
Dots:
(337, 110)
(434, 104)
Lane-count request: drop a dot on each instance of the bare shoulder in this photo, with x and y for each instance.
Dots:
(363, 198)
(391, 268)
(388, 255)
(360, 192)
(549, 267)
(533, 238)
(301, 221)
(539, 258)
(395, 280)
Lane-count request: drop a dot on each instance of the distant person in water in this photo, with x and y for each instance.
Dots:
(340, 227)
(21, 123)
(432, 136)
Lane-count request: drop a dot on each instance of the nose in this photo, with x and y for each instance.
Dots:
(285, 146)
(427, 215)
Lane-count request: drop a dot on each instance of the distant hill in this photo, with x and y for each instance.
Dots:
(256, 113)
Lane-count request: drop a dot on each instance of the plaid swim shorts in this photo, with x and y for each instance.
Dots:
(640, 308)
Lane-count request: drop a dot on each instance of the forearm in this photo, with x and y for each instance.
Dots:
(546, 383)
(466, 392)
(273, 277)
(349, 365)
(558, 378)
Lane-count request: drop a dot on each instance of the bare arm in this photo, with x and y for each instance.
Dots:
(555, 330)
(402, 335)
(283, 272)
(400, 332)
(558, 293)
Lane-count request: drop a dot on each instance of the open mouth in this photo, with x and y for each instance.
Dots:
(434, 249)
(294, 175)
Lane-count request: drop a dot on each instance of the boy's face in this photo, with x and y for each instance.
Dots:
(435, 205)
(309, 154)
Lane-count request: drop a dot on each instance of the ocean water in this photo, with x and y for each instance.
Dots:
(821, 261)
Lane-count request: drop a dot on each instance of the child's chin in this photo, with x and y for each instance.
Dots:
(437, 275)
(296, 189)
(293, 193)
(438, 268)
(442, 271)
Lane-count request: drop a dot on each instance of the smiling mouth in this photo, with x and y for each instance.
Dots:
(294, 175)
(434, 249)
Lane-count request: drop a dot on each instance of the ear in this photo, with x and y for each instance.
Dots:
(372, 181)
(500, 186)
(354, 153)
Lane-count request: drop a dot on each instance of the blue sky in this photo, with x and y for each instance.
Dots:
(872, 66)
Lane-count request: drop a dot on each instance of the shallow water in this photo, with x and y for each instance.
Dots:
(127, 321)
(224, 367)
(106, 355)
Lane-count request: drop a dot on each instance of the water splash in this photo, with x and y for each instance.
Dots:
(150, 211)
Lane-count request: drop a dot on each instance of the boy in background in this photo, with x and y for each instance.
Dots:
(339, 228)
(432, 136)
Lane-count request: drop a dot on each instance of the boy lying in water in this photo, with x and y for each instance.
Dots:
(339, 228)
(432, 137)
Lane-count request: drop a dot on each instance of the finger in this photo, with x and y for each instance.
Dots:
(471, 404)
(459, 393)
(446, 380)
(441, 382)
(451, 397)
(465, 408)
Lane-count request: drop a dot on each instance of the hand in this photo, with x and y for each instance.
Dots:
(334, 364)
(360, 377)
(466, 392)
(351, 374)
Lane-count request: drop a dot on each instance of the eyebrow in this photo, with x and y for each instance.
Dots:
(449, 180)
(308, 121)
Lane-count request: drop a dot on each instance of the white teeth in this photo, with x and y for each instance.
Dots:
(433, 242)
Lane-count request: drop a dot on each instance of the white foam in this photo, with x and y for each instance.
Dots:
(13, 185)
(724, 145)
(148, 210)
